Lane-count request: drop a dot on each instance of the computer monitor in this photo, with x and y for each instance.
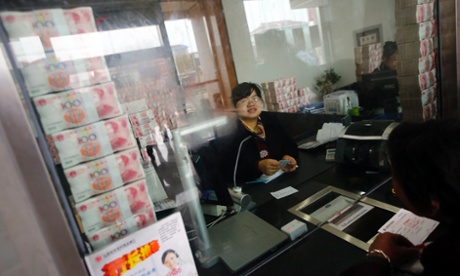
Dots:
(380, 92)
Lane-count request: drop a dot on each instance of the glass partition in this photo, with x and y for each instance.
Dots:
(323, 46)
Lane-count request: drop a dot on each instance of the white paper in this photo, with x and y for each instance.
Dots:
(416, 229)
(329, 132)
(284, 192)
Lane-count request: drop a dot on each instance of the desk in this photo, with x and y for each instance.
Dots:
(311, 164)
(317, 252)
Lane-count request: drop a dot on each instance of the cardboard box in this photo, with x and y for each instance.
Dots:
(371, 60)
(415, 66)
(419, 113)
(416, 32)
(416, 49)
(417, 82)
(407, 67)
(401, 4)
(368, 51)
(414, 14)
(407, 33)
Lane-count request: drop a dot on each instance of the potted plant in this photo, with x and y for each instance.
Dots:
(325, 83)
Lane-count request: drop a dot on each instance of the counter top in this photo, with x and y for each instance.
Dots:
(311, 253)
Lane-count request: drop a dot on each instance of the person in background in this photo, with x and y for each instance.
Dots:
(388, 101)
(425, 159)
(257, 137)
(390, 57)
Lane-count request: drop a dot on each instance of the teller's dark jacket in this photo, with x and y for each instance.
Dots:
(441, 257)
(278, 142)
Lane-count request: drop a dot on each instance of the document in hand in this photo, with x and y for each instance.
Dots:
(416, 229)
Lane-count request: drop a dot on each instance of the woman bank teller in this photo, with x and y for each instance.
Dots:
(258, 140)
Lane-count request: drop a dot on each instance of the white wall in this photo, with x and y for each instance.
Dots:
(339, 20)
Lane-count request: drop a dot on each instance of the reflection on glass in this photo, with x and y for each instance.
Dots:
(182, 41)
(288, 28)
(88, 45)
(273, 40)
(283, 41)
(194, 58)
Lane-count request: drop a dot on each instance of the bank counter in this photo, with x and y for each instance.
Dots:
(318, 251)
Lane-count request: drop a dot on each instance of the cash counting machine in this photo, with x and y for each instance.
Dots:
(363, 145)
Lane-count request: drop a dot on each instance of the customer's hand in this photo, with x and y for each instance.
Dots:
(397, 248)
(269, 166)
(292, 165)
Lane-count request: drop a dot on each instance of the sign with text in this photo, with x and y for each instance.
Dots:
(159, 249)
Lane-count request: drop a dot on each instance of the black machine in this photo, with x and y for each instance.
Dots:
(380, 91)
(363, 145)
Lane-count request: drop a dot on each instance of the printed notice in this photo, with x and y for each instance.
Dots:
(159, 249)
(416, 229)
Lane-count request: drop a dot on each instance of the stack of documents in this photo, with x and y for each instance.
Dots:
(328, 132)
